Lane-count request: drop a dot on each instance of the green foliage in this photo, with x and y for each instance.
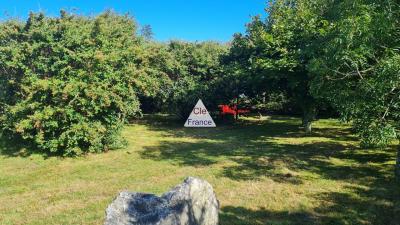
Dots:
(69, 83)
(343, 52)
(359, 68)
(180, 73)
(274, 102)
(156, 66)
(201, 68)
(273, 55)
(185, 94)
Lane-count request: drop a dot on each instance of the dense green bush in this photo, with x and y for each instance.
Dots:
(69, 83)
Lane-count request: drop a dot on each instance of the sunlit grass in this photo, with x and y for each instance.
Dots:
(263, 172)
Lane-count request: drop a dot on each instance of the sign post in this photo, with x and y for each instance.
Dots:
(199, 117)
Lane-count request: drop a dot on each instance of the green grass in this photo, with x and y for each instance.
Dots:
(263, 172)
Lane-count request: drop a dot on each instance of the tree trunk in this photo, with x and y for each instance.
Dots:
(397, 169)
(307, 126)
(309, 114)
(237, 107)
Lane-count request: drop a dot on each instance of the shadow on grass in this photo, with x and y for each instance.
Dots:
(258, 149)
(14, 147)
(338, 209)
(231, 215)
(255, 151)
(370, 205)
(314, 157)
(365, 206)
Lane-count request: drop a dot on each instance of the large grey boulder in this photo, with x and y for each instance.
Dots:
(191, 203)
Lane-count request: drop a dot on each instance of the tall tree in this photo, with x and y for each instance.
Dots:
(359, 68)
(274, 54)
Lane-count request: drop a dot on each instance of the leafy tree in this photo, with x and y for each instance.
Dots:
(182, 72)
(157, 66)
(273, 55)
(201, 63)
(358, 70)
(69, 83)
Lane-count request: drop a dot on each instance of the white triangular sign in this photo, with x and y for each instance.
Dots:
(199, 117)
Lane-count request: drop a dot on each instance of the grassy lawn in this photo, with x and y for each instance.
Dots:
(263, 172)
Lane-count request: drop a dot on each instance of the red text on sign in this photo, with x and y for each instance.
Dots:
(198, 111)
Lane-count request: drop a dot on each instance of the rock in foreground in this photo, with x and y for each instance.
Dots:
(191, 203)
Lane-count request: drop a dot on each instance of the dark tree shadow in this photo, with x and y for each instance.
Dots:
(251, 145)
(15, 147)
(230, 215)
(313, 157)
(364, 207)
(376, 204)
(339, 209)
(255, 153)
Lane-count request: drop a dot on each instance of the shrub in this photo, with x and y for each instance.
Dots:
(69, 83)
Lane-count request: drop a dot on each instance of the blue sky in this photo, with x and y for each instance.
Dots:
(170, 19)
